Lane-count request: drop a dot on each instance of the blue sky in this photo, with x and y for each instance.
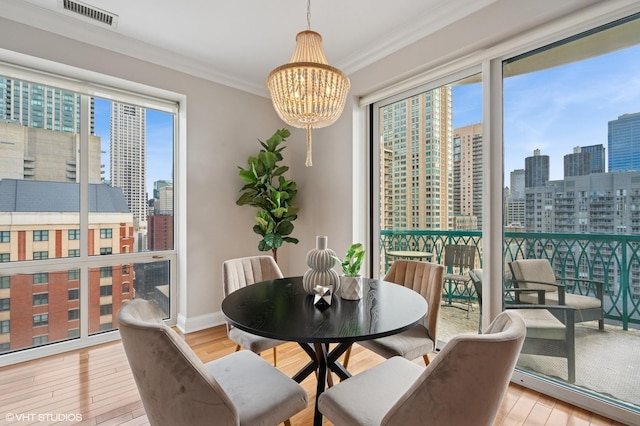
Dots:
(159, 142)
(556, 109)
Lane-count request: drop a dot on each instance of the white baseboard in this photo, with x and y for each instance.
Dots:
(197, 323)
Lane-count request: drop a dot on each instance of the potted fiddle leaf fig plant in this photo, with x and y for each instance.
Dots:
(351, 281)
(271, 193)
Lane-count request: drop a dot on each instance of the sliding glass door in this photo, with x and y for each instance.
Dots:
(430, 179)
(566, 118)
(572, 157)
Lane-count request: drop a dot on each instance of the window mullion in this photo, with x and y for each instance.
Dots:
(85, 125)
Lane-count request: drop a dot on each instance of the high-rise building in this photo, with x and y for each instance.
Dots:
(516, 178)
(597, 157)
(43, 107)
(578, 163)
(467, 173)
(603, 203)
(160, 232)
(536, 170)
(386, 188)
(158, 185)
(128, 159)
(417, 131)
(45, 155)
(624, 143)
(515, 202)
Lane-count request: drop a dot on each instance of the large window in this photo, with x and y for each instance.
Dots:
(91, 181)
(572, 158)
(430, 181)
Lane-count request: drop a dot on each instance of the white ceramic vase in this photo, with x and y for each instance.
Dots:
(351, 288)
(320, 273)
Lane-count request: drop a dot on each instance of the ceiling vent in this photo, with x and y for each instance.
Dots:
(91, 13)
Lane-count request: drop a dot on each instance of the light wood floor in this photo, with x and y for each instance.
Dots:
(96, 384)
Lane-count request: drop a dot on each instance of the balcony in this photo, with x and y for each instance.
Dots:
(604, 360)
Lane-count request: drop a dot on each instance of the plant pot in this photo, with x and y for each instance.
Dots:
(351, 287)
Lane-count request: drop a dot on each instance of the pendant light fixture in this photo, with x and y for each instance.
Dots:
(307, 92)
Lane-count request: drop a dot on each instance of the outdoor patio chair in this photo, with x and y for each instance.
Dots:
(239, 273)
(537, 274)
(550, 330)
(463, 385)
(458, 261)
(176, 388)
(476, 279)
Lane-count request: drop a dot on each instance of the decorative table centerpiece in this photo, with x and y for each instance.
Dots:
(320, 273)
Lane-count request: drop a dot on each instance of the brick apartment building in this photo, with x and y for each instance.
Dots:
(40, 220)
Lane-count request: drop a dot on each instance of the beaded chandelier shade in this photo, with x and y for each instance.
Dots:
(307, 92)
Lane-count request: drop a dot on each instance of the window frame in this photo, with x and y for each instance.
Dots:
(75, 316)
(40, 299)
(40, 235)
(91, 84)
(40, 320)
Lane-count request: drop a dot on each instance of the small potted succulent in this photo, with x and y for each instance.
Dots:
(351, 281)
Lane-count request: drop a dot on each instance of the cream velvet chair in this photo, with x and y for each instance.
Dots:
(176, 388)
(537, 274)
(239, 273)
(426, 279)
(463, 385)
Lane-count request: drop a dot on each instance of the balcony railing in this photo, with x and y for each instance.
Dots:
(611, 259)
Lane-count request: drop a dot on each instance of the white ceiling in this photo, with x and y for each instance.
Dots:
(238, 42)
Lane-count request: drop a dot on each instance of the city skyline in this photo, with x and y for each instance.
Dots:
(581, 98)
(159, 132)
(557, 109)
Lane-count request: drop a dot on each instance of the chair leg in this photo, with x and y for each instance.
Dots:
(287, 422)
(426, 359)
(347, 355)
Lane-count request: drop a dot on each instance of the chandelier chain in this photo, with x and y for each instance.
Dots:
(308, 14)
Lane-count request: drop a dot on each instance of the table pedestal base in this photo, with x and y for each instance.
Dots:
(323, 362)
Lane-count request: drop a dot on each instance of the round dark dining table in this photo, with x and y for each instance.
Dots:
(281, 309)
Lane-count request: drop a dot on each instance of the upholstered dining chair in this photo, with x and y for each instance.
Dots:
(426, 279)
(537, 274)
(471, 369)
(239, 273)
(176, 388)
